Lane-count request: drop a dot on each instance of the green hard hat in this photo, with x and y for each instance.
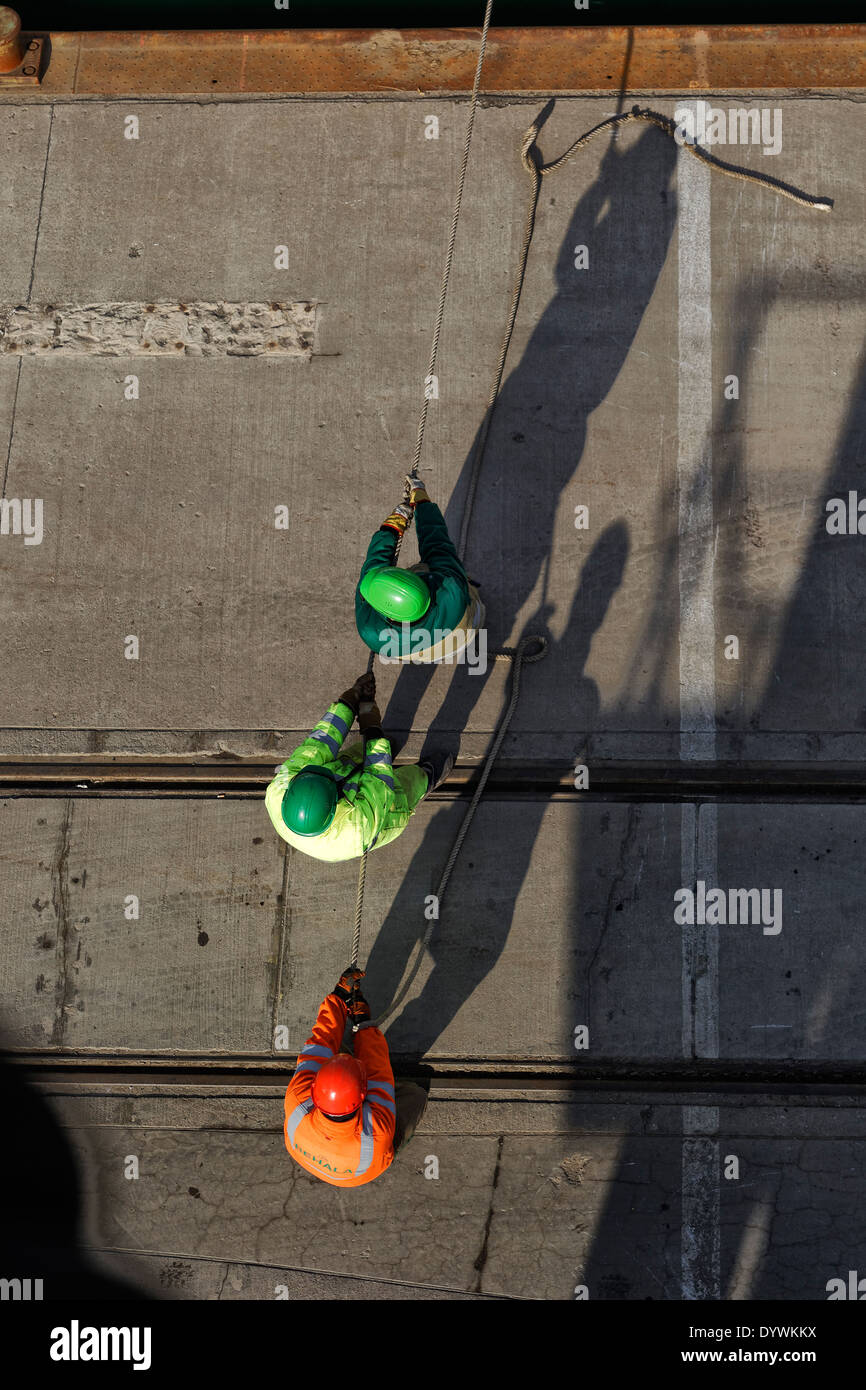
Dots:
(401, 595)
(310, 801)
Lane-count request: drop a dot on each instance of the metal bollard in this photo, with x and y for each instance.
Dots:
(21, 59)
(11, 48)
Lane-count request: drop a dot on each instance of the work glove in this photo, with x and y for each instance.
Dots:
(348, 982)
(417, 490)
(359, 1009)
(369, 716)
(363, 690)
(399, 519)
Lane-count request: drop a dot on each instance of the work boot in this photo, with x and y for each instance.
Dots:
(438, 767)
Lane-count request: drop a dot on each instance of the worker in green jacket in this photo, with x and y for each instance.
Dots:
(335, 803)
(428, 613)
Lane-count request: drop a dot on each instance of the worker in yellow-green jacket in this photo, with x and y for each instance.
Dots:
(335, 803)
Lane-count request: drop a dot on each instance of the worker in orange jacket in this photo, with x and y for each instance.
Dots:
(344, 1119)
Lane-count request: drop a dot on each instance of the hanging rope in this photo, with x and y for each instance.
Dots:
(431, 370)
(669, 127)
(359, 909)
(533, 164)
(446, 274)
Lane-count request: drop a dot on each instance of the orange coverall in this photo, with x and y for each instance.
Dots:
(358, 1150)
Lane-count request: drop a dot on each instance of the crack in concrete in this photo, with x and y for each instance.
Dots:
(634, 817)
(41, 202)
(12, 428)
(281, 938)
(60, 902)
(481, 1258)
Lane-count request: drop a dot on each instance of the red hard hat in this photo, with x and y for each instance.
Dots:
(340, 1085)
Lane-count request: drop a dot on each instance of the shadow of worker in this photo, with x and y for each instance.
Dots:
(42, 1211)
(476, 918)
(572, 359)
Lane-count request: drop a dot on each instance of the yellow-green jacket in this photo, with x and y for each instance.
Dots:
(376, 799)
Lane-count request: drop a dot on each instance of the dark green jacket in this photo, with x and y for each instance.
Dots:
(449, 587)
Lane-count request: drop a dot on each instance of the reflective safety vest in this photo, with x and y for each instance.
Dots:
(357, 1151)
(376, 799)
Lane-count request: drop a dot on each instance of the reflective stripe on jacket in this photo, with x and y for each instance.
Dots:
(375, 801)
(357, 1151)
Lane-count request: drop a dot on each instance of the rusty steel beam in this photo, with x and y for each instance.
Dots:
(422, 61)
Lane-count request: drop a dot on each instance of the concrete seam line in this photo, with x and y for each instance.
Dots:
(700, 1276)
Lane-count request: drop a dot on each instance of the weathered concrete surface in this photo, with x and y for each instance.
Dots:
(194, 971)
(222, 1281)
(246, 628)
(706, 522)
(589, 1196)
(157, 330)
(565, 910)
(23, 146)
(238, 1198)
